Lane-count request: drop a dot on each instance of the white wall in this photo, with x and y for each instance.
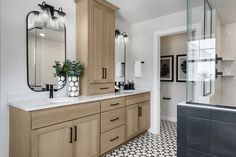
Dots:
(142, 44)
(13, 55)
(172, 45)
(229, 52)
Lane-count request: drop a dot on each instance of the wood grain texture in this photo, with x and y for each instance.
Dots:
(48, 117)
(131, 121)
(138, 98)
(95, 34)
(83, 42)
(88, 137)
(112, 119)
(20, 133)
(52, 141)
(144, 119)
(111, 104)
(112, 138)
(102, 88)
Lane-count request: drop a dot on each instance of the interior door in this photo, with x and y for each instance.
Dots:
(97, 39)
(86, 137)
(131, 121)
(144, 116)
(53, 141)
(109, 45)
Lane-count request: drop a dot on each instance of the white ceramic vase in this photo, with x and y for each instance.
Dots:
(73, 86)
(60, 82)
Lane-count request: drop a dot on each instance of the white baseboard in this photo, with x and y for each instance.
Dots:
(169, 118)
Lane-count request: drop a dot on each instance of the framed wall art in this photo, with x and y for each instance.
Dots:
(167, 68)
(181, 68)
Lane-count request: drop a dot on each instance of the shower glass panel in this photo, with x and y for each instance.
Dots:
(202, 76)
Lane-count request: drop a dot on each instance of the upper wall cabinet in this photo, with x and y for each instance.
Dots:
(96, 45)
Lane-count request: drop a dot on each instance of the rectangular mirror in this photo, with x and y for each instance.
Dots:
(46, 43)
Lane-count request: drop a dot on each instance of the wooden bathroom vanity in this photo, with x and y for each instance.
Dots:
(87, 127)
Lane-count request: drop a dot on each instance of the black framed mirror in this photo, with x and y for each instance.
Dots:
(46, 43)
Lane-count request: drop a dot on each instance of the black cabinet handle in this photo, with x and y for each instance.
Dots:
(104, 88)
(165, 98)
(71, 134)
(112, 120)
(103, 73)
(114, 138)
(115, 104)
(75, 133)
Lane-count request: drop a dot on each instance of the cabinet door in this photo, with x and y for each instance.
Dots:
(144, 116)
(97, 70)
(86, 137)
(109, 45)
(131, 121)
(53, 141)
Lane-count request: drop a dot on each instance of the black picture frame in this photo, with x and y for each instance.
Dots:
(178, 68)
(171, 68)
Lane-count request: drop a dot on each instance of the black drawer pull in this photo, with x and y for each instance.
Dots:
(104, 88)
(115, 104)
(71, 133)
(114, 138)
(112, 120)
(164, 98)
(75, 133)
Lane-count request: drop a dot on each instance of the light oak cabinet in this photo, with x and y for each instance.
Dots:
(131, 121)
(137, 114)
(144, 116)
(86, 137)
(53, 141)
(78, 138)
(80, 130)
(70, 131)
(96, 45)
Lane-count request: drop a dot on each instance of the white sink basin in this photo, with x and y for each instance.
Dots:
(61, 100)
(128, 91)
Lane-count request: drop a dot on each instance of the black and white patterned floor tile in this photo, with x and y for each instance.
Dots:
(150, 145)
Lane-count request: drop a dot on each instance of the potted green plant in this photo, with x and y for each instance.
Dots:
(60, 73)
(74, 69)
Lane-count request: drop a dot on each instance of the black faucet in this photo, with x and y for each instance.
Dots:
(49, 87)
(51, 91)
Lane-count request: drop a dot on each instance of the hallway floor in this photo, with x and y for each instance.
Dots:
(149, 145)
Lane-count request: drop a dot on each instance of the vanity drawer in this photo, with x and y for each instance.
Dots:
(111, 104)
(101, 88)
(112, 138)
(53, 116)
(112, 119)
(138, 98)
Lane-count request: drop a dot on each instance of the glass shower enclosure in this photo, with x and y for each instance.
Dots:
(204, 84)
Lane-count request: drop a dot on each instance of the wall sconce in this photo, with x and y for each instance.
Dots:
(118, 34)
(48, 17)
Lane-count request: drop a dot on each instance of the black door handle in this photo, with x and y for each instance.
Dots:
(71, 134)
(75, 133)
(165, 98)
(105, 73)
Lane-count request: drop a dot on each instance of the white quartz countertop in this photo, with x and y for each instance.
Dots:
(40, 104)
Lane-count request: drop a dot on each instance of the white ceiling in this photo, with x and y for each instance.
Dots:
(133, 11)
(226, 10)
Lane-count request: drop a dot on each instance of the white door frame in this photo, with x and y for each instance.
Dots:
(155, 105)
(155, 108)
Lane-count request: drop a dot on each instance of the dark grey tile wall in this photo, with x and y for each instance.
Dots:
(206, 132)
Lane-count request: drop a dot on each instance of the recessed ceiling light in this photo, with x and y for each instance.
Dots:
(42, 34)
